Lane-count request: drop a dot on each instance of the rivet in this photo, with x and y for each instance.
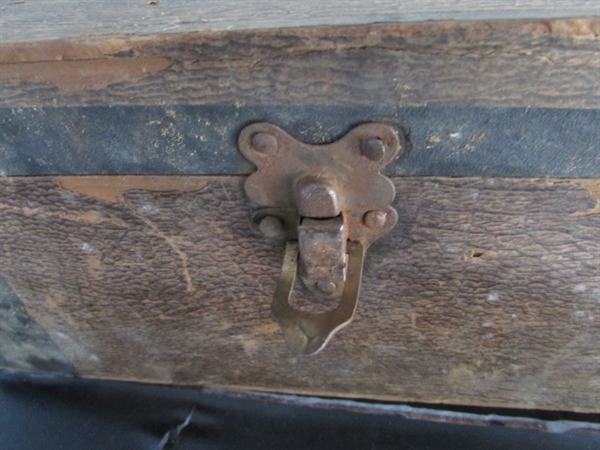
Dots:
(270, 226)
(264, 143)
(375, 219)
(372, 148)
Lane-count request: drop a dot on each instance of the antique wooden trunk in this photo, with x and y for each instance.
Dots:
(127, 245)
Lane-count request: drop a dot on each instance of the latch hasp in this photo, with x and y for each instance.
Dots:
(330, 202)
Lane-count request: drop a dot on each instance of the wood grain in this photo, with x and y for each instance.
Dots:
(486, 293)
(54, 19)
(550, 63)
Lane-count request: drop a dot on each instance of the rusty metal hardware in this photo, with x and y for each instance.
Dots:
(329, 203)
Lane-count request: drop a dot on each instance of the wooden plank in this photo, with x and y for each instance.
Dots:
(486, 293)
(551, 64)
(52, 19)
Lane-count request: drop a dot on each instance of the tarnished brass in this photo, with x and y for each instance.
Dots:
(329, 202)
(309, 333)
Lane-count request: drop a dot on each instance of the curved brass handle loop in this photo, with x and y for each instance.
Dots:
(305, 332)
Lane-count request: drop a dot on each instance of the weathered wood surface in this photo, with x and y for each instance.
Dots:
(550, 63)
(486, 293)
(26, 20)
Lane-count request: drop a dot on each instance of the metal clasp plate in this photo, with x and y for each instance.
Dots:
(329, 202)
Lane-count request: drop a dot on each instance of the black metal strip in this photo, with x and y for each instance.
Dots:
(201, 140)
(52, 413)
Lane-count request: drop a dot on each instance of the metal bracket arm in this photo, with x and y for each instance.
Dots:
(309, 333)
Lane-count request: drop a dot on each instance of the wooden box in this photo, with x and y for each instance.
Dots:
(125, 246)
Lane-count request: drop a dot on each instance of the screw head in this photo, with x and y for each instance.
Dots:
(372, 148)
(270, 226)
(375, 219)
(264, 143)
(327, 287)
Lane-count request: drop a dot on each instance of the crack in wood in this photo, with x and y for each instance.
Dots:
(182, 255)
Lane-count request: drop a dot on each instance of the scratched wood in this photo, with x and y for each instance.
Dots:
(486, 293)
(22, 20)
(531, 63)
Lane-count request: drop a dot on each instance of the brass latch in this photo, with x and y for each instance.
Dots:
(329, 203)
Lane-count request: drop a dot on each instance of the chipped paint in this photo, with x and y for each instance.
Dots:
(110, 188)
(81, 75)
(593, 186)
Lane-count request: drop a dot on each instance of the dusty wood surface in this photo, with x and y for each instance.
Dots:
(550, 63)
(486, 293)
(29, 20)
